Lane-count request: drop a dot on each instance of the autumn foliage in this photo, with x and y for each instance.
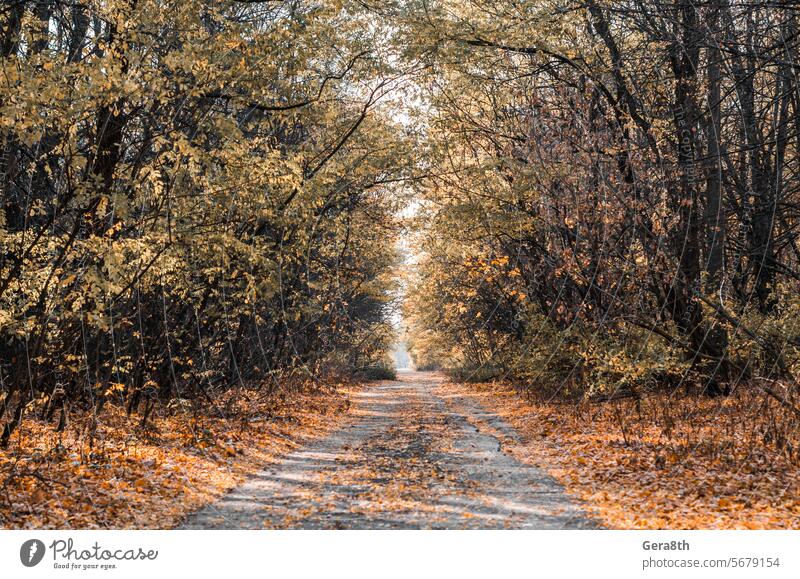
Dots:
(612, 203)
(207, 203)
(666, 462)
(194, 199)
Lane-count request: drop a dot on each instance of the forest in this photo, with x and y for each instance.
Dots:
(216, 211)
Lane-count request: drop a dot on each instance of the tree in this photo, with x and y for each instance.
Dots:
(196, 195)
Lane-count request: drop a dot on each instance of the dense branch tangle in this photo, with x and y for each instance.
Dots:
(192, 199)
(614, 206)
(201, 195)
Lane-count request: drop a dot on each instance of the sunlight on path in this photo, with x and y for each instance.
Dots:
(408, 459)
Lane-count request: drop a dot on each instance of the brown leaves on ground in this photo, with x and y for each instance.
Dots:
(390, 474)
(124, 476)
(676, 462)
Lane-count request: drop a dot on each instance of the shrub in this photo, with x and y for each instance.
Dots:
(376, 372)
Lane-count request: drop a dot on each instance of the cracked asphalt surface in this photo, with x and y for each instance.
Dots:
(411, 457)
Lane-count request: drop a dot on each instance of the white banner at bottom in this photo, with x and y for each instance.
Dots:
(377, 554)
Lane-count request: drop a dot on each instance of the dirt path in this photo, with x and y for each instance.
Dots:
(412, 457)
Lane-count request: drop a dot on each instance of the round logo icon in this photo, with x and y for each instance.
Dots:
(32, 552)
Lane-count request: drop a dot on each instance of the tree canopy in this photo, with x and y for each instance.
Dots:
(195, 195)
(612, 195)
(203, 194)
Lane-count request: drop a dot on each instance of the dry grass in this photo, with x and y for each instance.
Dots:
(666, 462)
